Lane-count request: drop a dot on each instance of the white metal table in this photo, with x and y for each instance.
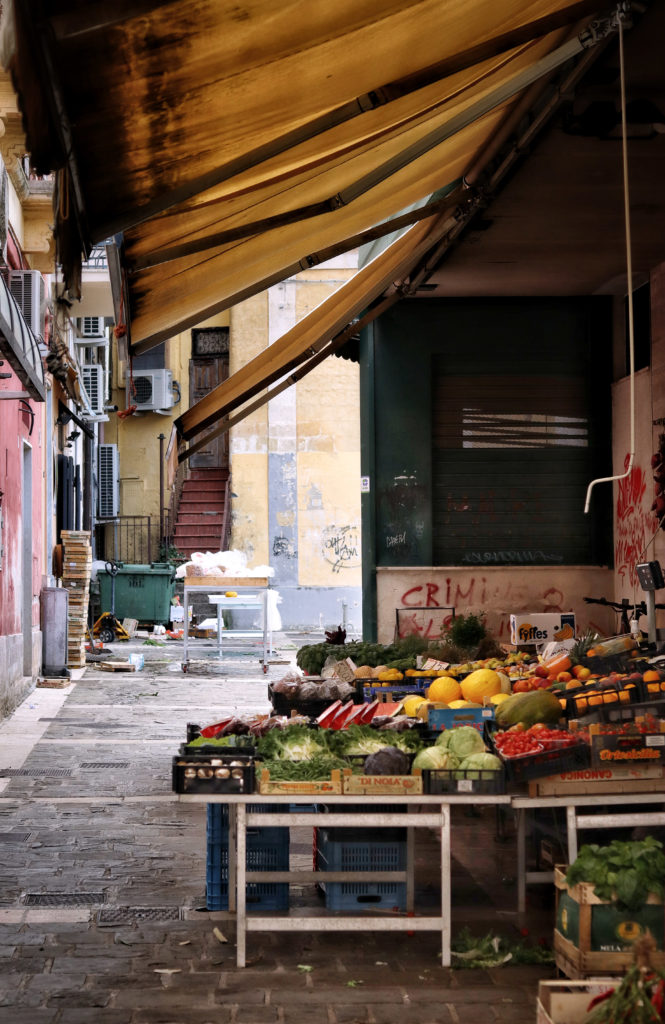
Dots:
(252, 593)
(432, 812)
(575, 821)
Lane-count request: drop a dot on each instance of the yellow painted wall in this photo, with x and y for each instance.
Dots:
(137, 436)
(327, 448)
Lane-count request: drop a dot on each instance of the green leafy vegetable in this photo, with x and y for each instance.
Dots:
(293, 743)
(313, 770)
(465, 740)
(364, 739)
(477, 766)
(435, 758)
(623, 873)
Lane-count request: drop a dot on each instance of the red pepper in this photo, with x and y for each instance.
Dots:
(658, 998)
(600, 999)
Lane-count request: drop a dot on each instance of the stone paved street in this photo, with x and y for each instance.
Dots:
(103, 904)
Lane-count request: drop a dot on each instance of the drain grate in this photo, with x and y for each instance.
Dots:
(51, 773)
(62, 899)
(104, 764)
(14, 837)
(127, 915)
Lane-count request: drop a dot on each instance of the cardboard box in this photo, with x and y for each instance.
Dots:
(638, 778)
(566, 1002)
(531, 628)
(382, 785)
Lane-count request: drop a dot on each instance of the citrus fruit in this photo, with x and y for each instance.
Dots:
(444, 689)
(484, 682)
(411, 705)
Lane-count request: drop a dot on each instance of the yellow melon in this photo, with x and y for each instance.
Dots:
(411, 704)
(458, 704)
(498, 698)
(484, 682)
(443, 689)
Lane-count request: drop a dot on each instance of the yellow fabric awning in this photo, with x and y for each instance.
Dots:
(299, 123)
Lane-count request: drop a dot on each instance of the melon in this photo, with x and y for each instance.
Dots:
(484, 682)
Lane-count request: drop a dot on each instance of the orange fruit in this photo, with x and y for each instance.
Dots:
(651, 676)
(563, 677)
(572, 684)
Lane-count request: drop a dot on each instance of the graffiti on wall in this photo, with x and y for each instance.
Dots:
(341, 547)
(635, 524)
(474, 592)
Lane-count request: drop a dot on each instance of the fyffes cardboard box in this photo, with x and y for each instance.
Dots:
(531, 628)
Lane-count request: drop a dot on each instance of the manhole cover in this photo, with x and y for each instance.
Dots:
(52, 773)
(62, 899)
(104, 764)
(14, 837)
(126, 915)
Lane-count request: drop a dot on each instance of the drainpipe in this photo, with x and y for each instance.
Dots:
(161, 438)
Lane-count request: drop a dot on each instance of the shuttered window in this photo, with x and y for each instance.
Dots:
(511, 460)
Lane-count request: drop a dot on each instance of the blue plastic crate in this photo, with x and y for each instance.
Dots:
(217, 824)
(260, 856)
(376, 854)
(451, 718)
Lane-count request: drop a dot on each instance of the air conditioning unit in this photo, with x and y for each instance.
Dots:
(152, 391)
(27, 288)
(93, 382)
(91, 327)
(108, 482)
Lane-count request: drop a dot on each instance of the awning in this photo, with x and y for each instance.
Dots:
(234, 145)
(19, 346)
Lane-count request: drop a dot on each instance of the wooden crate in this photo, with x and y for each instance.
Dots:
(637, 778)
(591, 937)
(265, 784)
(566, 1002)
(382, 785)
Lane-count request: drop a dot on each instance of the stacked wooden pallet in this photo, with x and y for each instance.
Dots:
(76, 566)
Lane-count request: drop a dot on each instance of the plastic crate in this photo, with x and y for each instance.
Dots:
(260, 856)
(217, 824)
(377, 854)
(439, 719)
(550, 761)
(212, 774)
(267, 849)
(446, 780)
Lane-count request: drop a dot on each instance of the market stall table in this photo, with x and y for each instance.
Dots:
(575, 821)
(432, 812)
(252, 593)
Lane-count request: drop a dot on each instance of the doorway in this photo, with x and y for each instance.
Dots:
(208, 367)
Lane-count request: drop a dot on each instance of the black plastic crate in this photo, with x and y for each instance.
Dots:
(591, 700)
(550, 761)
(310, 708)
(212, 773)
(458, 780)
(611, 713)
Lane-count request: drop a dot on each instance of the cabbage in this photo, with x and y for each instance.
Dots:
(473, 766)
(388, 761)
(434, 758)
(465, 740)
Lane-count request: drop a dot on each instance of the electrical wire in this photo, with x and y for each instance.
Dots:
(629, 276)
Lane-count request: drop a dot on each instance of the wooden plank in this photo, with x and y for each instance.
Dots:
(226, 581)
(117, 666)
(388, 785)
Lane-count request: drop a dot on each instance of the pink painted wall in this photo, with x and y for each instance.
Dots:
(14, 429)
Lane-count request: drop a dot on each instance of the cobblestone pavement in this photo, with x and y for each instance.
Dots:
(102, 901)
